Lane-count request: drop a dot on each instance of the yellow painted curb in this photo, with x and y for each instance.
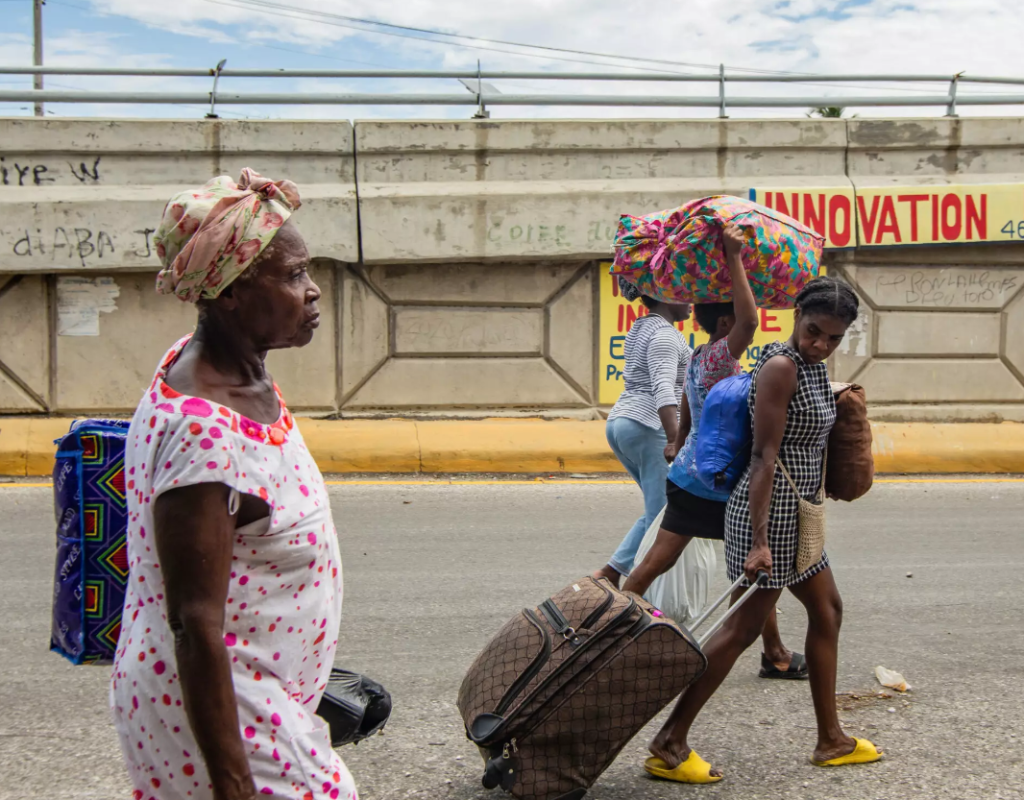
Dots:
(13, 446)
(26, 444)
(950, 449)
(515, 446)
(535, 446)
(342, 446)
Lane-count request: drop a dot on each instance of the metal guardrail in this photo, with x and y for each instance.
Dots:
(734, 77)
(327, 98)
(482, 95)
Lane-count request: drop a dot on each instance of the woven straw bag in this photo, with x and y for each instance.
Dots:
(811, 522)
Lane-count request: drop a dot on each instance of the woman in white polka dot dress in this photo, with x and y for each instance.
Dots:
(234, 597)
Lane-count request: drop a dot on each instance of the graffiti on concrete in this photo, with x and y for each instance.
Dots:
(601, 231)
(15, 173)
(84, 173)
(946, 288)
(77, 246)
(146, 233)
(597, 232)
(528, 234)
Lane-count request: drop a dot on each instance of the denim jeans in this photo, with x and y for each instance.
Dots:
(642, 452)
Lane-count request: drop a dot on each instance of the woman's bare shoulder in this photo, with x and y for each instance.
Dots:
(777, 375)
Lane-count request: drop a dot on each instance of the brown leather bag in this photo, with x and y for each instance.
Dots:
(562, 687)
(851, 465)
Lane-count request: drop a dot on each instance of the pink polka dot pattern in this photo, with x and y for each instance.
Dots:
(282, 613)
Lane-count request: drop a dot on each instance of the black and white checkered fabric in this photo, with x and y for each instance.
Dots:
(810, 417)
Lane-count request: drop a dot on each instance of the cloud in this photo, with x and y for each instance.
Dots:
(796, 36)
(184, 17)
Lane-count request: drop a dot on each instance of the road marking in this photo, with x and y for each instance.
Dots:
(553, 481)
(624, 481)
(491, 482)
(950, 480)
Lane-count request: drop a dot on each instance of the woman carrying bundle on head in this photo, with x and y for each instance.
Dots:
(694, 510)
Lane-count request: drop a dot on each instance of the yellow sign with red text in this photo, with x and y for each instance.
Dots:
(899, 215)
(830, 212)
(940, 215)
(617, 315)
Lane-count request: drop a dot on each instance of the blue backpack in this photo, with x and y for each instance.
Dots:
(724, 438)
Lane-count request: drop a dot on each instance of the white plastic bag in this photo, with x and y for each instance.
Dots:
(682, 592)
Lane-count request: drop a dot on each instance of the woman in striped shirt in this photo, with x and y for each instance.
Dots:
(643, 424)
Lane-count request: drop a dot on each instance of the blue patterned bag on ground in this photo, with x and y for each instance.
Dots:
(92, 551)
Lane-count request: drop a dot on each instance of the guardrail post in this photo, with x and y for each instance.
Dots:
(721, 92)
(213, 92)
(951, 108)
(481, 111)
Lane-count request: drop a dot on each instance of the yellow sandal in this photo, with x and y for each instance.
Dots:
(863, 753)
(694, 770)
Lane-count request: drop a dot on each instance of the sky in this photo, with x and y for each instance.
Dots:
(940, 37)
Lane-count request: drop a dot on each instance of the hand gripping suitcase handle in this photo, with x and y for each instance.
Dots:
(762, 579)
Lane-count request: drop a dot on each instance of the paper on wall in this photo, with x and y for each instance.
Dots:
(80, 301)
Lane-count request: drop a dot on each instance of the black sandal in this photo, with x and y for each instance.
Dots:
(797, 670)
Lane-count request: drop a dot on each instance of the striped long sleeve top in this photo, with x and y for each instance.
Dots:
(657, 357)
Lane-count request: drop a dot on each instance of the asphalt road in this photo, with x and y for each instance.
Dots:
(431, 572)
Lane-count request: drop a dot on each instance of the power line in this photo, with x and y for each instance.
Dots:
(434, 32)
(332, 19)
(179, 32)
(296, 12)
(352, 27)
(324, 18)
(266, 7)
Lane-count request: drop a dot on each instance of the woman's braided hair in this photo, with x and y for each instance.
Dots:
(828, 295)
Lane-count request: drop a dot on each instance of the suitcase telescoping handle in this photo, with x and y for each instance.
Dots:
(762, 579)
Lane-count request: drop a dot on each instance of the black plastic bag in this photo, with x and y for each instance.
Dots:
(354, 707)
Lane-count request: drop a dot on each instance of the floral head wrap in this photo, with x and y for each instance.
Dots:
(209, 236)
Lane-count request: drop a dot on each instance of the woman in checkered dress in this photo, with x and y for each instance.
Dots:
(809, 418)
(793, 411)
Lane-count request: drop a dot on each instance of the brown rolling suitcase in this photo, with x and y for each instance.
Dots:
(562, 687)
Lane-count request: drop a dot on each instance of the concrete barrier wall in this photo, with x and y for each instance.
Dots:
(942, 334)
(82, 197)
(520, 191)
(459, 260)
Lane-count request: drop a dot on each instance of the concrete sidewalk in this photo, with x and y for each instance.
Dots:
(529, 446)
